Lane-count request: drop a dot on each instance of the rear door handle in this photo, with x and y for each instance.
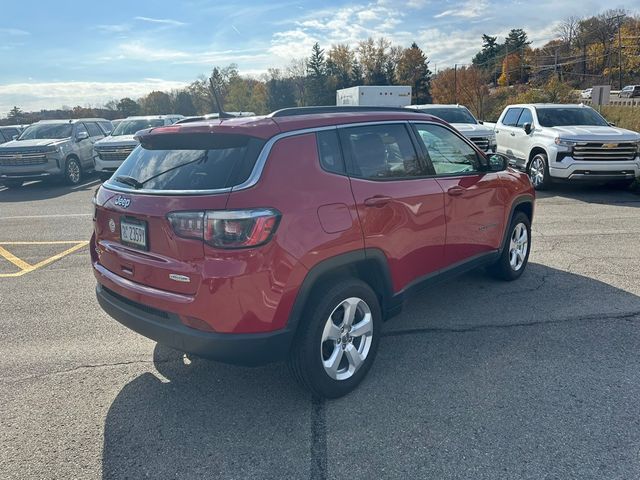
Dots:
(456, 191)
(377, 201)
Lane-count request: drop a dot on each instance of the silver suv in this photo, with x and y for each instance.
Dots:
(51, 149)
(108, 154)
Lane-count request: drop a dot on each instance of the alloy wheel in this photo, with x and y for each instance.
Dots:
(536, 171)
(346, 338)
(73, 172)
(518, 246)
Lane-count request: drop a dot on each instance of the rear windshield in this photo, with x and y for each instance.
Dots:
(560, 117)
(130, 127)
(50, 130)
(452, 115)
(189, 162)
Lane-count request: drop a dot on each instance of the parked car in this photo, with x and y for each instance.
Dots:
(201, 243)
(213, 116)
(630, 91)
(109, 153)
(586, 93)
(8, 132)
(51, 149)
(566, 142)
(463, 120)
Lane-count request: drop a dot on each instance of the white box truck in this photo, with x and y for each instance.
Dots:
(374, 96)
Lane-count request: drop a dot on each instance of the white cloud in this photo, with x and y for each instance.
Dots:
(14, 32)
(469, 9)
(114, 28)
(35, 96)
(162, 21)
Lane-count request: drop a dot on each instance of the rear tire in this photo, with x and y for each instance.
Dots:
(13, 183)
(538, 171)
(337, 339)
(515, 255)
(72, 171)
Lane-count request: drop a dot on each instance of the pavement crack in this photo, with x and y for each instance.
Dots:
(85, 367)
(478, 328)
(318, 439)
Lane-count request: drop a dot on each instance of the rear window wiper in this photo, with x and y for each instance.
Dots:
(132, 182)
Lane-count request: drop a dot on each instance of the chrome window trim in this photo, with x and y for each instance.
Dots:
(256, 173)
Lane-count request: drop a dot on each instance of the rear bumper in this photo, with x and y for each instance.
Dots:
(165, 328)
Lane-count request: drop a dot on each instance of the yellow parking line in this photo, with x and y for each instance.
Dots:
(27, 268)
(62, 242)
(21, 264)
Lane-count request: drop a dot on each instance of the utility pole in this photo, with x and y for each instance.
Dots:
(506, 62)
(620, 51)
(555, 64)
(455, 83)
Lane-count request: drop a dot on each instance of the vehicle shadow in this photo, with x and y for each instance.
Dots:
(598, 193)
(473, 376)
(46, 189)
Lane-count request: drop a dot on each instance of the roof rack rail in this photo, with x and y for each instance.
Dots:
(293, 111)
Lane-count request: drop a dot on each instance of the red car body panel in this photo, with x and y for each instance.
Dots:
(423, 226)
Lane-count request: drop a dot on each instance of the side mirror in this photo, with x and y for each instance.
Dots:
(527, 128)
(481, 122)
(611, 124)
(82, 136)
(498, 163)
(15, 137)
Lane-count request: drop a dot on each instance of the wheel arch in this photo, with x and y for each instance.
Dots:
(535, 151)
(369, 266)
(522, 203)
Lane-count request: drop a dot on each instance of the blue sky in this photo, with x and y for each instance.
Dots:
(58, 53)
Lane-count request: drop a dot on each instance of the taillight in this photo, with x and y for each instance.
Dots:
(227, 228)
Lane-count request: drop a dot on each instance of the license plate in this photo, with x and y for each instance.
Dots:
(133, 233)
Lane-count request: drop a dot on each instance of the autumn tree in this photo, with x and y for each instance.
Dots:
(413, 69)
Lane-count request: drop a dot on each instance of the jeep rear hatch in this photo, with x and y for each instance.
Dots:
(149, 216)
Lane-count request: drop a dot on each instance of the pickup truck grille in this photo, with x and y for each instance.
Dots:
(481, 142)
(605, 151)
(15, 159)
(112, 154)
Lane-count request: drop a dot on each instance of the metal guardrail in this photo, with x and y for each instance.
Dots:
(615, 101)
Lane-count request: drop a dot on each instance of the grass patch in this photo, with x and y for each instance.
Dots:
(623, 117)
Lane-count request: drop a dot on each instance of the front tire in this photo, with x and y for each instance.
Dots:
(337, 340)
(515, 255)
(539, 172)
(72, 172)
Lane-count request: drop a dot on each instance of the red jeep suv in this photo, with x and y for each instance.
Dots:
(294, 235)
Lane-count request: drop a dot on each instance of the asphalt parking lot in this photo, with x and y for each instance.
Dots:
(476, 379)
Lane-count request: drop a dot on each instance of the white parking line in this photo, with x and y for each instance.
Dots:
(48, 216)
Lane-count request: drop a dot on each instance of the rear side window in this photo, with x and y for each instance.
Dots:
(94, 130)
(106, 126)
(329, 151)
(379, 152)
(511, 117)
(525, 117)
(189, 162)
(80, 128)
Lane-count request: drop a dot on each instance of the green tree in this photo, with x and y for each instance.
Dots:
(16, 115)
(279, 91)
(317, 91)
(156, 103)
(413, 69)
(128, 107)
(182, 103)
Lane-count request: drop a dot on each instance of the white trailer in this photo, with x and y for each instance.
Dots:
(374, 96)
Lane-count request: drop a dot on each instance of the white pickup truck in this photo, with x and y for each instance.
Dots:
(460, 118)
(566, 142)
